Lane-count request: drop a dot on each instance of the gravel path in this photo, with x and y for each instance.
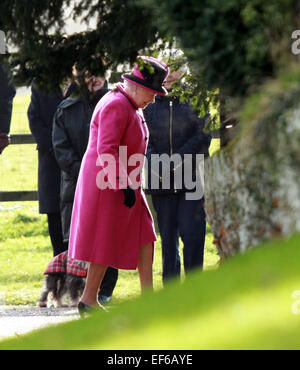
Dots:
(20, 320)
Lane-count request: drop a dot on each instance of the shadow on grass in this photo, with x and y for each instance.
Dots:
(23, 218)
(22, 278)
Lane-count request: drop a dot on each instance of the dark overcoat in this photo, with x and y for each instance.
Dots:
(70, 138)
(40, 115)
(7, 93)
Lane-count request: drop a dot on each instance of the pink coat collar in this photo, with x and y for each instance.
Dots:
(120, 87)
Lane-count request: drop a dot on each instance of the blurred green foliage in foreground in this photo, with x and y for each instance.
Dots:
(249, 302)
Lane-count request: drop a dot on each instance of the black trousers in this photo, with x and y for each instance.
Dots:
(55, 233)
(109, 282)
(178, 217)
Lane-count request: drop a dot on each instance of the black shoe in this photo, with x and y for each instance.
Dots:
(84, 309)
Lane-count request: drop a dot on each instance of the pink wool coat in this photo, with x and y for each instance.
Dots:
(103, 230)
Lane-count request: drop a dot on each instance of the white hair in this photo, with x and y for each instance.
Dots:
(131, 86)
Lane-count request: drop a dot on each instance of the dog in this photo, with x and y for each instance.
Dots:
(64, 277)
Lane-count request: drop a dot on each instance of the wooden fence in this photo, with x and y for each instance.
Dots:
(21, 196)
(13, 196)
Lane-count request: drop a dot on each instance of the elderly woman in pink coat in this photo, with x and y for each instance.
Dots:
(111, 222)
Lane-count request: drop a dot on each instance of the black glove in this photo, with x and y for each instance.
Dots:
(129, 197)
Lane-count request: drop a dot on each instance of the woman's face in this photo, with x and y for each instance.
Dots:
(94, 83)
(143, 97)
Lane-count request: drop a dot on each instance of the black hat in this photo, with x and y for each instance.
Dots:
(149, 78)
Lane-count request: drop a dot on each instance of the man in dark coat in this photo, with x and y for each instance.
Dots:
(176, 129)
(40, 115)
(70, 139)
(7, 93)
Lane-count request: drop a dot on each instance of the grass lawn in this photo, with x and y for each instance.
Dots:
(25, 249)
(18, 163)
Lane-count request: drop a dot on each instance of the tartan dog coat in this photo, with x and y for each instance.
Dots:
(61, 263)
